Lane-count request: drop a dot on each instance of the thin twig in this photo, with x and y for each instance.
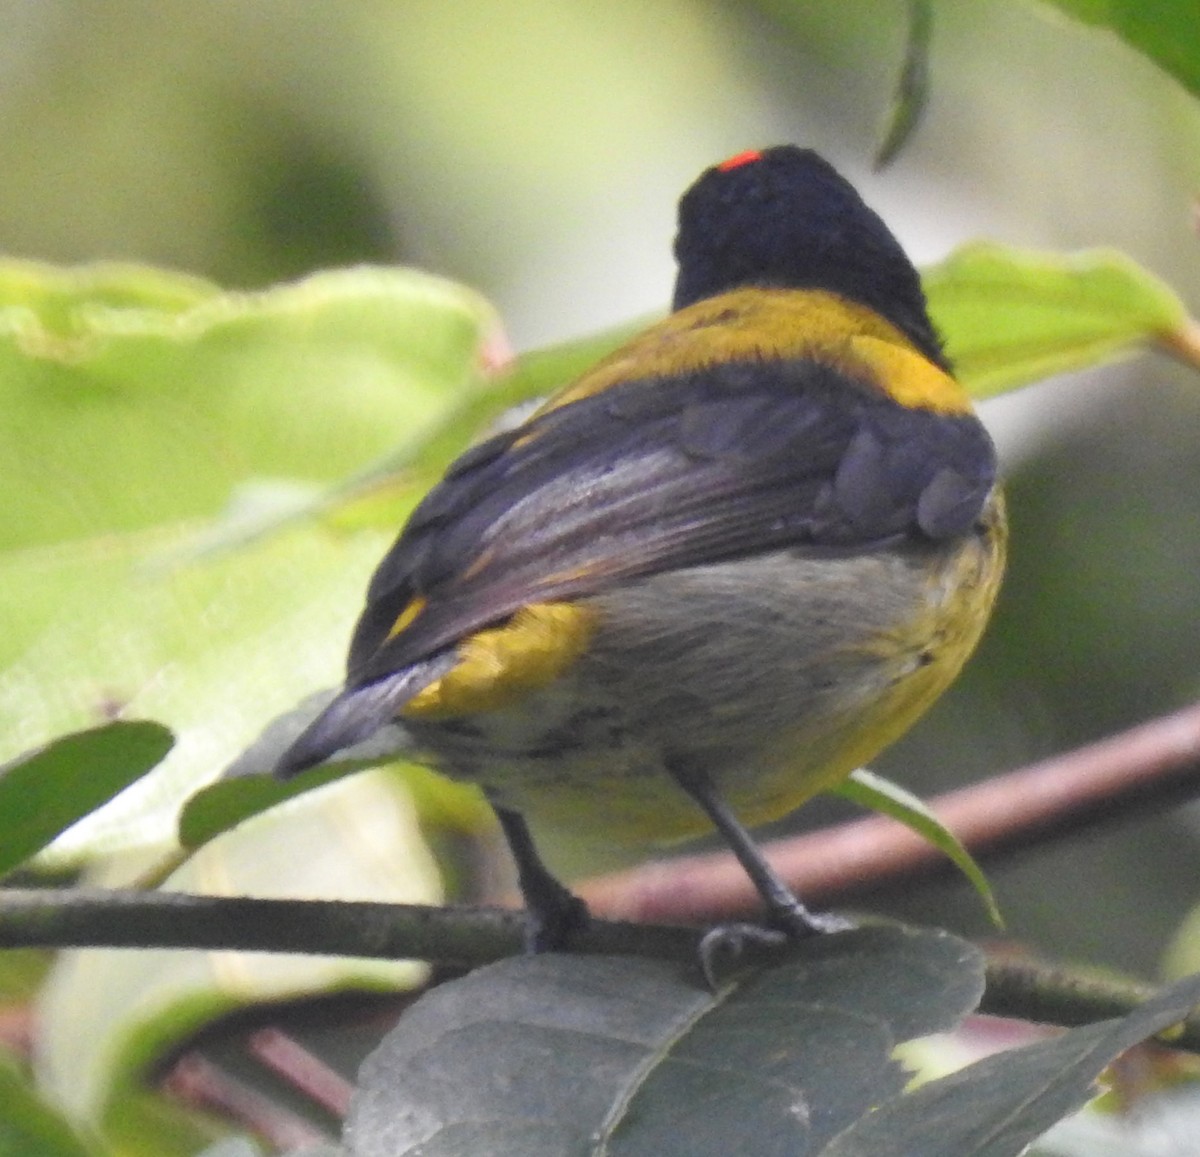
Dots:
(1143, 770)
(195, 1080)
(302, 1069)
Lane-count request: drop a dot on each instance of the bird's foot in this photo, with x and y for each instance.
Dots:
(551, 921)
(796, 922)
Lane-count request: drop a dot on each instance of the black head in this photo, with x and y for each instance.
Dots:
(785, 217)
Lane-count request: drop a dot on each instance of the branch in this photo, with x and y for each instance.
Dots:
(459, 935)
(1066, 997)
(80, 918)
(1140, 771)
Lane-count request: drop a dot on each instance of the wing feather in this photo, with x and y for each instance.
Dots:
(662, 473)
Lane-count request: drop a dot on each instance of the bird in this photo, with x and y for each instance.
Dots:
(712, 576)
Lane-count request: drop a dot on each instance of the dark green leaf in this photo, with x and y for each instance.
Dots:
(574, 1055)
(912, 91)
(1167, 31)
(44, 792)
(1000, 1105)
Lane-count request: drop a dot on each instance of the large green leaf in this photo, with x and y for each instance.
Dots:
(608, 1055)
(998, 1106)
(136, 404)
(44, 792)
(557, 1054)
(1012, 316)
(133, 398)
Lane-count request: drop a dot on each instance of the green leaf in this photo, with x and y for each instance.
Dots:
(229, 802)
(44, 792)
(912, 90)
(31, 1128)
(1167, 31)
(1012, 316)
(137, 406)
(133, 398)
(248, 787)
(647, 1060)
(873, 791)
(143, 1122)
(998, 1106)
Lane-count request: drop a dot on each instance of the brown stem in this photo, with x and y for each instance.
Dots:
(288, 1058)
(1144, 769)
(1182, 343)
(195, 1080)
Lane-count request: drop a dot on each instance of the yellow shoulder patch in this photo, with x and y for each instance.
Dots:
(499, 665)
(768, 324)
(411, 610)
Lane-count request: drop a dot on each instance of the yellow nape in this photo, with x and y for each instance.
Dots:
(498, 666)
(769, 324)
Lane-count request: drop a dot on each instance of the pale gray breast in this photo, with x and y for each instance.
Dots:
(714, 658)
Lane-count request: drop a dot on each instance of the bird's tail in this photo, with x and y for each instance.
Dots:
(357, 713)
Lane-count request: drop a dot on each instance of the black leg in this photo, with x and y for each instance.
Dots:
(554, 910)
(784, 912)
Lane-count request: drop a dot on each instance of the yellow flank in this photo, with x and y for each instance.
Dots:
(769, 324)
(923, 655)
(498, 666)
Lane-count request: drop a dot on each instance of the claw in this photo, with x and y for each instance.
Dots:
(725, 944)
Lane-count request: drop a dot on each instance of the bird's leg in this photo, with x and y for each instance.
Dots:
(554, 910)
(787, 918)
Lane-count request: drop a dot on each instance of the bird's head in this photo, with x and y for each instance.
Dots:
(784, 217)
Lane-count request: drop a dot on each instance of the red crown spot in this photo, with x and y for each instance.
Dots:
(740, 159)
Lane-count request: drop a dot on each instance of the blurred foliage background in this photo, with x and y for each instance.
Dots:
(534, 150)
